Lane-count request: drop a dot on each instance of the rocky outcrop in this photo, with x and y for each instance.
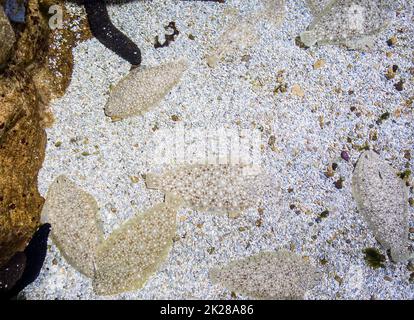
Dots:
(22, 140)
(26, 86)
(21, 155)
(7, 38)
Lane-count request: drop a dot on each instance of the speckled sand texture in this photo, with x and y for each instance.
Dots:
(308, 105)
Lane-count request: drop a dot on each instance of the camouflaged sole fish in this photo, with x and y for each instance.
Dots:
(135, 251)
(268, 275)
(143, 89)
(242, 32)
(382, 199)
(219, 188)
(353, 23)
(76, 228)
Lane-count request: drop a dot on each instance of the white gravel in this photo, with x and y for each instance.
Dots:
(238, 94)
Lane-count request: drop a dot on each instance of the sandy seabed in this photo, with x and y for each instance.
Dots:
(342, 102)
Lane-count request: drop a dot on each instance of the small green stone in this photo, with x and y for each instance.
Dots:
(324, 214)
(211, 250)
(405, 174)
(374, 258)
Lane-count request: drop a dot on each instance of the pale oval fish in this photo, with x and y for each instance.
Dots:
(143, 89)
(274, 11)
(353, 23)
(268, 275)
(382, 199)
(242, 32)
(135, 251)
(220, 188)
(317, 6)
(239, 36)
(76, 229)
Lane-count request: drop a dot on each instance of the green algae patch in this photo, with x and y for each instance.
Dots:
(374, 258)
(405, 175)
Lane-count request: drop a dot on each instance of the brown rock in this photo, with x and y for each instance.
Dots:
(21, 155)
(22, 143)
(7, 38)
(390, 73)
(298, 91)
(22, 137)
(319, 64)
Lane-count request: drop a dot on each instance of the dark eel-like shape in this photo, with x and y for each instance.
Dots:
(103, 29)
(33, 257)
(11, 272)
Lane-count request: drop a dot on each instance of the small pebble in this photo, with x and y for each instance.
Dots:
(345, 155)
(399, 86)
